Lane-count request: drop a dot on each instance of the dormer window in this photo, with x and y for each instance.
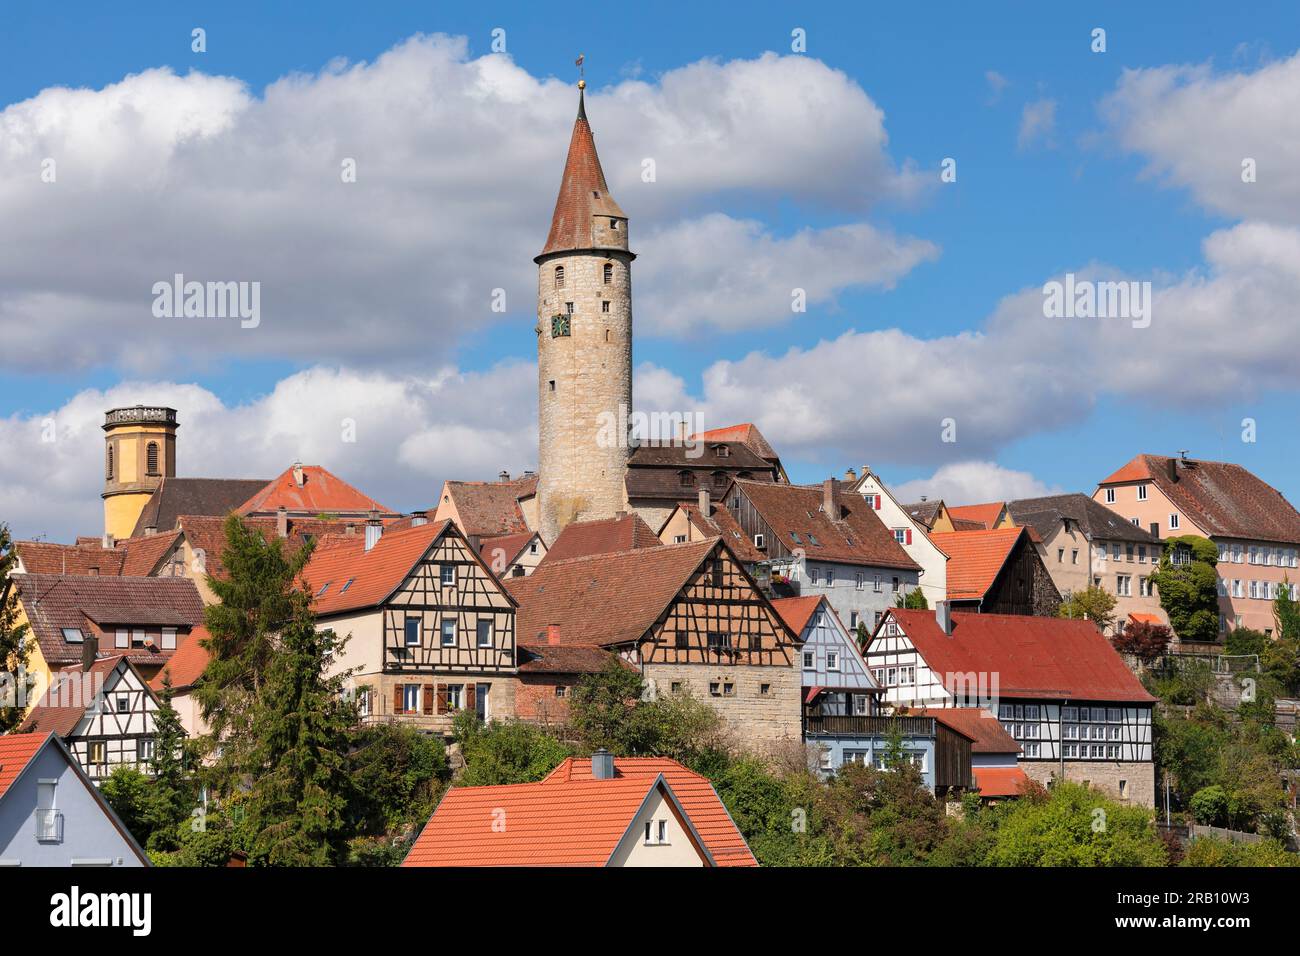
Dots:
(686, 478)
(559, 277)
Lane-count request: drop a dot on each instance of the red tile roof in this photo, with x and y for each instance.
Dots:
(354, 578)
(707, 812)
(580, 539)
(489, 508)
(796, 611)
(1033, 657)
(1000, 781)
(320, 493)
(606, 598)
(985, 515)
(501, 551)
(1219, 497)
(984, 730)
(578, 824)
(187, 664)
(16, 752)
(583, 193)
(723, 524)
(137, 557)
(542, 658)
(975, 558)
(855, 536)
(747, 434)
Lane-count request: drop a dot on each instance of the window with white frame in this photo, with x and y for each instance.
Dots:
(1173, 521)
(1124, 585)
(809, 660)
(412, 631)
(448, 575)
(484, 632)
(448, 632)
(877, 584)
(859, 581)
(1110, 496)
(1142, 492)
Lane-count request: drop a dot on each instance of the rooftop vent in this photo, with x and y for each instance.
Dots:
(602, 765)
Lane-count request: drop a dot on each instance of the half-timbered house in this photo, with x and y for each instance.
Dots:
(1059, 688)
(104, 712)
(997, 571)
(430, 628)
(688, 616)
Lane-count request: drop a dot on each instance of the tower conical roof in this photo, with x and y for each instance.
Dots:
(583, 193)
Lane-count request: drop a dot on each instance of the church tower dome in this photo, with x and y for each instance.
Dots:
(584, 345)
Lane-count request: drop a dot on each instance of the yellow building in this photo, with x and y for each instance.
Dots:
(139, 451)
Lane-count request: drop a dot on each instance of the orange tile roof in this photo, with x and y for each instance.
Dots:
(187, 664)
(747, 434)
(986, 732)
(570, 824)
(1142, 617)
(16, 752)
(579, 539)
(1000, 781)
(320, 493)
(796, 611)
(354, 578)
(975, 558)
(1135, 469)
(707, 812)
(985, 515)
(583, 192)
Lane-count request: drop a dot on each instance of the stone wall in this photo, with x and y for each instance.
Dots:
(757, 719)
(1103, 775)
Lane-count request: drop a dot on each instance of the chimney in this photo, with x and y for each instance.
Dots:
(89, 650)
(681, 431)
(850, 475)
(475, 543)
(349, 529)
(374, 529)
(602, 765)
(528, 473)
(943, 614)
(831, 498)
(299, 476)
(282, 522)
(151, 530)
(108, 542)
(620, 515)
(552, 634)
(925, 497)
(706, 506)
(1173, 469)
(503, 475)
(419, 518)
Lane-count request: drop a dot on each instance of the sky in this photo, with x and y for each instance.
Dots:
(791, 150)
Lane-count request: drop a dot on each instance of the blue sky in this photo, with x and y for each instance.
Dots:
(1086, 192)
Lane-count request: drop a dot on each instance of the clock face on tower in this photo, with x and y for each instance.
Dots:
(559, 326)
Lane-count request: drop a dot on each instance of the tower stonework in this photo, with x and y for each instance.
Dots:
(584, 346)
(139, 452)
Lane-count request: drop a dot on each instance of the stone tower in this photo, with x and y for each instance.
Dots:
(139, 452)
(584, 345)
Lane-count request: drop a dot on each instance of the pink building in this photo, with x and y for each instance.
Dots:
(1256, 529)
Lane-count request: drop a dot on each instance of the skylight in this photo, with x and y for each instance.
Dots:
(73, 635)
(346, 584)
(323, 588)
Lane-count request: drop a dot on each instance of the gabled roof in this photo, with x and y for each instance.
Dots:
(489, 508)
(796, 611)
(569, 824)
(543, 658)
(1094, 519)
(984, 515)
(975, 558)
(193, 496)
(583, 538)
(985, 731)
(692, 454)
(1034, 657)
(343, 576)
(1000, 781)
(321, 493)
(187, 664)
(53, 602)
(855, 536)
(62, 706)
(708, 813)
(207, 534)
(747, 434)
(925, 511)
(136, 557)
(606, 599)
(1219, 497)
(720, 523)
(506, 547)
(583, 192)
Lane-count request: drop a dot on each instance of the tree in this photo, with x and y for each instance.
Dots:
(14, 642)
(1094, 603)
(1144, 640)
(1286, 612)
(397, 773)
(255, 597)
(1076, 826)
(172, 793)
(299, 745)
(127, 792)
(913, 600)
(602, 711)
(1209, 806)
(505, 751)
(1189, 587)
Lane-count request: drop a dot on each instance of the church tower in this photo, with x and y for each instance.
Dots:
(584, 345)
(139, 452)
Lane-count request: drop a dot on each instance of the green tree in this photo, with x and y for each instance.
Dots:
(1094, 603)
(1213, 851)
(398, 774)
(505, 751)
(1076, 826)
(255, 597)
(1189, 587)
(300, 732)
(1209, 806)
(913, 600)
(14, 642)
(172, 792)
(1286, 612)
(602, 712)
(127, 791)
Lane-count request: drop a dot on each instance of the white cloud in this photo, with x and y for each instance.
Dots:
(1037, 123)
(457, 160)
(997, 83)
(1195, 127)
(974, 482)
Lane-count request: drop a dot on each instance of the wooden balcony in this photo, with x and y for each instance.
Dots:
(817, 725)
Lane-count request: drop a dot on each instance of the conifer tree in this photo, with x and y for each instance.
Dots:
(14, 642)
(172, 793)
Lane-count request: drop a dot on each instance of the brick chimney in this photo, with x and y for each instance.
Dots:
(706, 506)
(831, 498)
(89, 650)
(850, 475)
(282, 522)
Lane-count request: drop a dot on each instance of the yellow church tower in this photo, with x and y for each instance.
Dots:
(584, 345)
(139, 452)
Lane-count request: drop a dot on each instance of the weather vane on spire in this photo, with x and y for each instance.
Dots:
(582, 80)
